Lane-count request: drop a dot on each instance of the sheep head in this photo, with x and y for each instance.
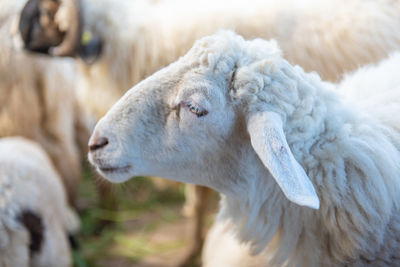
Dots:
(55, 27)
(200, 120)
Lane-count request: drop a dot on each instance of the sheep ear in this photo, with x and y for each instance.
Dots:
(269, 142)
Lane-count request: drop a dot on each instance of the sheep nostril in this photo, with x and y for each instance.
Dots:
(98, 143)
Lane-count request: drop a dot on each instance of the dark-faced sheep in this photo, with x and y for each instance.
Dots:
(38, 101)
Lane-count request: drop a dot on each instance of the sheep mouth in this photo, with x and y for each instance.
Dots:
(107, 169)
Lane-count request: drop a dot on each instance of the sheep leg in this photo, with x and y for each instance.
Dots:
(201, 203)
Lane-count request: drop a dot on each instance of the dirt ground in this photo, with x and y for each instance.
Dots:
(166, 245)
(146, 229)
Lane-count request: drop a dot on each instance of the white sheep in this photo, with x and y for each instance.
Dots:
(38, 101)
(35, 219)
(235, 116)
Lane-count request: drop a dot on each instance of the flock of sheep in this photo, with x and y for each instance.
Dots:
(307, 164)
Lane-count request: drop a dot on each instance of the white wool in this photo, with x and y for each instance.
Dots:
(375, 89)
(29, 182)
(351, 156)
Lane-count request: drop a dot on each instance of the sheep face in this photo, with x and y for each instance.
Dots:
(188, 122)
(166, 127)
(38, 27)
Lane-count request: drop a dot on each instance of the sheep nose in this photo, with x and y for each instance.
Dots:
(97, 143)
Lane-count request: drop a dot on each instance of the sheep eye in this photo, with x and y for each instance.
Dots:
(199, 112)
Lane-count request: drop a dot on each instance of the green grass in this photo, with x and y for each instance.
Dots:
(124, 232)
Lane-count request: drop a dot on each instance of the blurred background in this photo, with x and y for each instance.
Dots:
(64, 63)
(147, 229)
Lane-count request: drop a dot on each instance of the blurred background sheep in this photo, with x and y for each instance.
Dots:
(38, 102)
(127, 41)
(119, 43)
(36, 222)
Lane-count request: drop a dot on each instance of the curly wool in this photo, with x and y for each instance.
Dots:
(343, 149)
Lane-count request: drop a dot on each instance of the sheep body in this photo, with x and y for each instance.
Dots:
(337, 36)
(345, 151)
(262, 114)
(221, 248)
(374, 88)
(30, 184)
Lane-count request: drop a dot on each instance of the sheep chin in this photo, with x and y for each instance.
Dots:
(116, 174)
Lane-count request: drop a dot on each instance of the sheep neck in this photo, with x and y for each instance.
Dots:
(354, 179)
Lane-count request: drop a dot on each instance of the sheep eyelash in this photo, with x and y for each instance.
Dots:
(199, 112)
